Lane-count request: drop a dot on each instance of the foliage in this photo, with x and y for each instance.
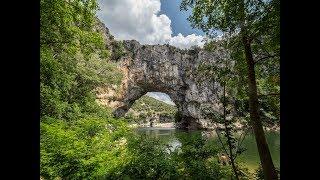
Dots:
(84, 149)
(118, 50)
(74, 141)
(154, 159)
(259, 173)
(150, 160)
(73, 60)
(197, 158)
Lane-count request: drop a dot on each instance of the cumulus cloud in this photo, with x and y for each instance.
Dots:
(184, 42)
(140, 20)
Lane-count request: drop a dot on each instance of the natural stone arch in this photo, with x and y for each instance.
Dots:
(173, 71)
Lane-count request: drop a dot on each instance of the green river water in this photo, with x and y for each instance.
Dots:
(249, 157)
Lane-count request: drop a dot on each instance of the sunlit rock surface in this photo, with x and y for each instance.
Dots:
(167, 69)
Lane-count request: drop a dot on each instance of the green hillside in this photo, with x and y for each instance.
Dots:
(147, 106)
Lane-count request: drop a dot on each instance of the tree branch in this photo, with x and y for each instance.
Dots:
(241, 140)
(270, 94)
(266, 57)
(265, 50)
(222, 144)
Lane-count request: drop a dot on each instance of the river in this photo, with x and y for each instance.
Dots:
(249, 157)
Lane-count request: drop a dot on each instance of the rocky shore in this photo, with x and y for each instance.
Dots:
(237, 126)
(157, 125)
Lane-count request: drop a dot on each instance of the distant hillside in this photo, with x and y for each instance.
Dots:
(147, 107)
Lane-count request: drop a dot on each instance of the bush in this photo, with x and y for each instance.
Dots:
(259, 173)
(196, 158)
(118, 50)
(150, 160)
(83, 149)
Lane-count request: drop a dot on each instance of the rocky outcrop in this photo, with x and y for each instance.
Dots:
(102, 29)
(173, 71)
(166, 69)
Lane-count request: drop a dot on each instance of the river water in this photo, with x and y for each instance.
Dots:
(249, 157)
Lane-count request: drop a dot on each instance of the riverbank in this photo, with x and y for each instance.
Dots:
(237, 126)
(249, 158)
(156, 125)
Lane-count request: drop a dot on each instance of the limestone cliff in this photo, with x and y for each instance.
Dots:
(170, 70)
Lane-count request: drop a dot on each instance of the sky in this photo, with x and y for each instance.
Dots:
(150, 22)
(179, 22)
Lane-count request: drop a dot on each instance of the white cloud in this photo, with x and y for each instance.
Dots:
(184, 42)
(140, 20)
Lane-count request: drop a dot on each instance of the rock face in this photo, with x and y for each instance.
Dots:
(173, 71)
(167, 69)
(102, 29)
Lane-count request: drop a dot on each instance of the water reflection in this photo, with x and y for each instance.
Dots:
(152, 131)
(177, 138)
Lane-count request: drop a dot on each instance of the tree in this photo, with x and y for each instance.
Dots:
(253, 25)
(74, 141)
(73, 58)
(224, 73)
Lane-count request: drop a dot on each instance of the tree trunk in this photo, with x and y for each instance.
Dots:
(263, 149)
(226, 125)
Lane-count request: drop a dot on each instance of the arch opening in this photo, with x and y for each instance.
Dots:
(153, 109)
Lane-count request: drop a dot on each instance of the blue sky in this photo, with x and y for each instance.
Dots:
(179, 22)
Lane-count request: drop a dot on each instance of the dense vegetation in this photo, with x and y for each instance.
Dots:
(74, 141)
(79, 139)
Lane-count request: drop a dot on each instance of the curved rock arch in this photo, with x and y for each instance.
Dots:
(167, 69)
